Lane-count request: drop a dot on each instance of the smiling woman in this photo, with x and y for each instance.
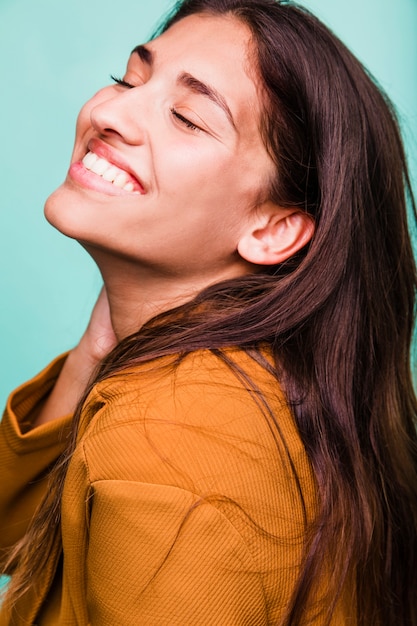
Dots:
(196, 164)
(232, 441)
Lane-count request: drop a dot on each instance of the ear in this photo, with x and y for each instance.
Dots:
(275, 235)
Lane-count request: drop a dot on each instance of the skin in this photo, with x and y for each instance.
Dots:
(199, 212)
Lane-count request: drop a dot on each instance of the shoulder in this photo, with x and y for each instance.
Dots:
(227, 392)
(195, 423)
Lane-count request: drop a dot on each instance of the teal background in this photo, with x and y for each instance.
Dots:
(54, 55)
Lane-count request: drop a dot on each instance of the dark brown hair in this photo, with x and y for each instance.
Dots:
(339, 316)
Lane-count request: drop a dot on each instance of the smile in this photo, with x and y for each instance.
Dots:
(111, 173)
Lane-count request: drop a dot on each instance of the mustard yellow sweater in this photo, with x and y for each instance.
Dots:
(181, 506)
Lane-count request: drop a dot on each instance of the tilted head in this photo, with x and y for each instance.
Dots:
(331, 133)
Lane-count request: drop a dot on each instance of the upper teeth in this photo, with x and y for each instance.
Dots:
(108, 171)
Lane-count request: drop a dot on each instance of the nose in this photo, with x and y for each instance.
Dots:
(119, 114)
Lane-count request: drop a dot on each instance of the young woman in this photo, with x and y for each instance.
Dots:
(233, 441)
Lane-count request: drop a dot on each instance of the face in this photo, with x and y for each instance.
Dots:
(168, 165)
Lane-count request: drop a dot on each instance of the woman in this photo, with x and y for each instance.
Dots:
(233, 439)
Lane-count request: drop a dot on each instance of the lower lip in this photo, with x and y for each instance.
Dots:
(84, 177)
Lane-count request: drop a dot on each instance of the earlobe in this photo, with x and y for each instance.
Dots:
(275, 236)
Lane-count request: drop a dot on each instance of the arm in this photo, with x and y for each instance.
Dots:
(27, 455)
(171, 559)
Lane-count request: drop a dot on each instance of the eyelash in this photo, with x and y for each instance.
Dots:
(178, 116)
(120, 81)
(184, 120)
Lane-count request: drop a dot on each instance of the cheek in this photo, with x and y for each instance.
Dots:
(218, 183)
(202, 168)
(209, 170)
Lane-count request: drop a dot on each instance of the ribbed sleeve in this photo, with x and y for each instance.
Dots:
(170, 559)
(26, 455)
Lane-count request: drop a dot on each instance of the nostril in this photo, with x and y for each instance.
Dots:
(111, 114)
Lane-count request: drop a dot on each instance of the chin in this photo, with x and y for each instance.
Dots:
(61, 212)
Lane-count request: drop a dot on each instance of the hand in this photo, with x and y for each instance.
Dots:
(98, 340)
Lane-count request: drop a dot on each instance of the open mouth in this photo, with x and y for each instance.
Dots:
(111, 173)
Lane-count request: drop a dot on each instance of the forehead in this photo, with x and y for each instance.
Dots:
(208, 36)
(217, 50)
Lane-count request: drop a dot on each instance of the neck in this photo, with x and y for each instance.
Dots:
(136, 294)
(135, 301)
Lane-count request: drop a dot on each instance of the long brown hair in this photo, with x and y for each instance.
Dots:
(338, 317)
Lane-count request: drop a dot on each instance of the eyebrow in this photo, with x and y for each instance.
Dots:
(197, 86)
(190, 82)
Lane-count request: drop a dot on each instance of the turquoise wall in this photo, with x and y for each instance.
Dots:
(54, 55)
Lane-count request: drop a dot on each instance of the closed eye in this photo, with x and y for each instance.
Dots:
(121, 82)
(184, 120)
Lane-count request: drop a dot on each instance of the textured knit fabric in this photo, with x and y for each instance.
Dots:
(183, 504)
